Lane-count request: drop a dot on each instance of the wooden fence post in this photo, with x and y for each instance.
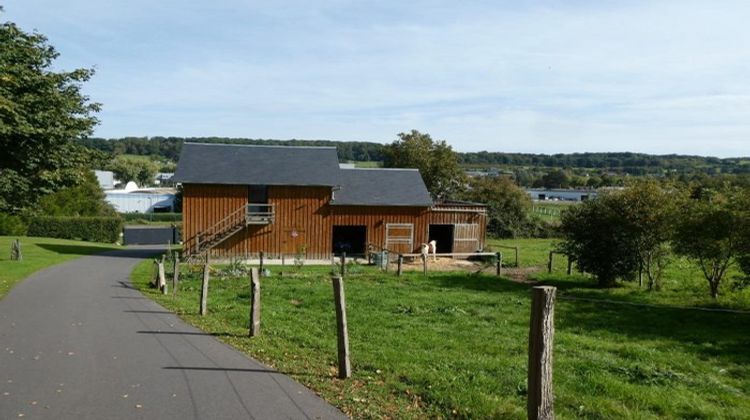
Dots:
(549, 263)
(343, 264)
(176, 273)
(283, 262)
(541, 340)
(254, 302)
(260, 266)
(424, 264)
(15, 251)
(400, 264)
(499, 263)
(518, 263)
(155, 274)
(204, 288)
(162, 278)
(570, 265)
(345, 366)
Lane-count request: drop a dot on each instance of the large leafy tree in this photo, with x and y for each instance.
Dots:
(507, 205)
(596, 237)
(42, 112)
(710, 229)
(436, 161)
(127, 168)
(647, 213)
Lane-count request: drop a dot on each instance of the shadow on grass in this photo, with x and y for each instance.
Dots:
(481, 282)
(712, 334)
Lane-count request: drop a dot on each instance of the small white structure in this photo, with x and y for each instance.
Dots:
(106, 179)
(561, 194)
(131, 199)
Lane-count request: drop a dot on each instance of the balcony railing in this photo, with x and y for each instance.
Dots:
(260, 214)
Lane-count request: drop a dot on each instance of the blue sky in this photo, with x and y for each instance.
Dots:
(542, 76)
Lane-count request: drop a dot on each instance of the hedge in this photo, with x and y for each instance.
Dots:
(152, 217)
(93, 229)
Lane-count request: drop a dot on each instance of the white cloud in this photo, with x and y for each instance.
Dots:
(660, 76)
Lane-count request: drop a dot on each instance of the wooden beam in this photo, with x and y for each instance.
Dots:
(345, 366)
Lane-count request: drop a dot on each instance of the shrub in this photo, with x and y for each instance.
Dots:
(153, 217)
(11, 225)
(95, 229)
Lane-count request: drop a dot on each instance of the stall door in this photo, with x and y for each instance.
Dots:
(466, 237)
(399, 237)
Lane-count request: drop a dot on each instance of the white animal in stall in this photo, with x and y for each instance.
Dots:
(433, 248)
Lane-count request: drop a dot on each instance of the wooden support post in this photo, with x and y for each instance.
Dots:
(260, 266)
(204, 288)
(424, 264)
(345, 367)
(518, 262)
(343, 264)
(254, 302)
(176, 273)
(541, 339)
(570, 265)
(283, 262)
(162, 278)
(369, 254)
(386, 258)
(549, 263)
(400, 265)
(499, 262)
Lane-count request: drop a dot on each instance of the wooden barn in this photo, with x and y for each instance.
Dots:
(240, 200)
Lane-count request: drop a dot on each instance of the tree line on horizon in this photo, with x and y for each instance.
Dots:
(636, 164)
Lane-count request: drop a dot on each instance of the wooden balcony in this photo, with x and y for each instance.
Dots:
(260, 214)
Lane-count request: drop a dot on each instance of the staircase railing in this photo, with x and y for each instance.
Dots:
(248, 214)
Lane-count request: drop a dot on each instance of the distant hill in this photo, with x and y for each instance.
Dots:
(620, 162)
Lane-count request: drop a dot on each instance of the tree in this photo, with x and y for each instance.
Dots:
(647, 214)
(507, 204)
(42, 112)
(709, 230)
(85, 199)
(556, 179)
(595, 237)
(127, 168)
(436, 161)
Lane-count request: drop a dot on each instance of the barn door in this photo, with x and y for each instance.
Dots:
(466, 237)
(399, 237)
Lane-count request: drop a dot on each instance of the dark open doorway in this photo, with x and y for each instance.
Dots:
(443, 235)
(349, 239)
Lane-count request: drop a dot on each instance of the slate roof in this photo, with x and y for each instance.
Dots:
(203, 163)
(382, 187)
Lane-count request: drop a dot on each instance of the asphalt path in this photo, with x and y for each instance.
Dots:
(78, 342)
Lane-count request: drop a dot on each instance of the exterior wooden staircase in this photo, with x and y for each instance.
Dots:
(248, 214)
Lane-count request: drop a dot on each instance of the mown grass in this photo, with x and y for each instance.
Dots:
(39, 253)
(454, 345)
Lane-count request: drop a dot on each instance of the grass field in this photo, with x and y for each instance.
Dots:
(39, 253)
(454, 344)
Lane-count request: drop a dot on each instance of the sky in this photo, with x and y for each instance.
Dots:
(547, 76)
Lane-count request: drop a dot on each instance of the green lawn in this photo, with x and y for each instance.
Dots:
(454, 345)
(39, 253)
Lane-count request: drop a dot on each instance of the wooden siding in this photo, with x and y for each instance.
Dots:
(304, 219)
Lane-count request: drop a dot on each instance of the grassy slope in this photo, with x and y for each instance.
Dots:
(455, 345)
(39, 253)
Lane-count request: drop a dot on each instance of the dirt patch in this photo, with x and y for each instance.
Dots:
(520, 275)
